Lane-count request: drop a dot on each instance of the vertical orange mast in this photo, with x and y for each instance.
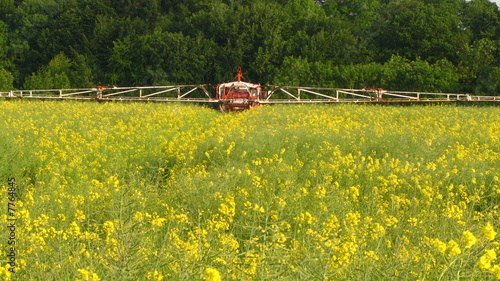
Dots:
(240, 74)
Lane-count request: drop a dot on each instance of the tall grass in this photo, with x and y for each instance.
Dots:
(164, 191)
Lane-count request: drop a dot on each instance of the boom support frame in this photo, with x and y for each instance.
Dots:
(256, 95)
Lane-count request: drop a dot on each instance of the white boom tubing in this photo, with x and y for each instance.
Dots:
(191, 93)
(272, 94)
(328, 95)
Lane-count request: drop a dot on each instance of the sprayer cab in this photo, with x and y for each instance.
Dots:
(238, 95)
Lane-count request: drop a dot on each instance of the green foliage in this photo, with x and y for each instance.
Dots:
(415, 29)
(397, 73)
(161, 57)
(6, 80)
(476, 62)
(343, 43)
(481, 18)
(419, 75)
(3, 42)
(6, 7)
(83, 74)
(489, 82)
(62, 72)
(52, 76)
(295, 72)
(358, 76)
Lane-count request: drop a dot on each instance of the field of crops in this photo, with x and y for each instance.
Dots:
(138, 191)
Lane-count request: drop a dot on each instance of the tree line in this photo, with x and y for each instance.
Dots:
(415, 45)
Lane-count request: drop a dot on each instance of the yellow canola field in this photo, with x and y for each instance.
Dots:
(141, 191)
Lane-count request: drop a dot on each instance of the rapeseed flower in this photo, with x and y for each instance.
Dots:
(453, 248)
(211, 274)
(489, 232)
(158, 221)
(486, 259)
(5, 274)
(469, 239)
(228, 207)
(74, 229)
(334, 190)
(155, 276)
(80, 216)
(87, 275)
(109, 227)
(495, 270)
(138, 216)
(439, 245)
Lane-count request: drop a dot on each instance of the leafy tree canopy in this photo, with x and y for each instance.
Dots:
(430, 45)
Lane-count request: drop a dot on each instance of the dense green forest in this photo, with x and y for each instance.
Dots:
(424, 45)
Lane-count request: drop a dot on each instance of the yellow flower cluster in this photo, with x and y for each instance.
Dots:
(86, 275)
(469, 239)
(211, 274)
(489, 232)
(146, 191)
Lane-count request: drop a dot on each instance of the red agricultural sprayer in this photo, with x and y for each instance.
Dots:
(239, 95)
